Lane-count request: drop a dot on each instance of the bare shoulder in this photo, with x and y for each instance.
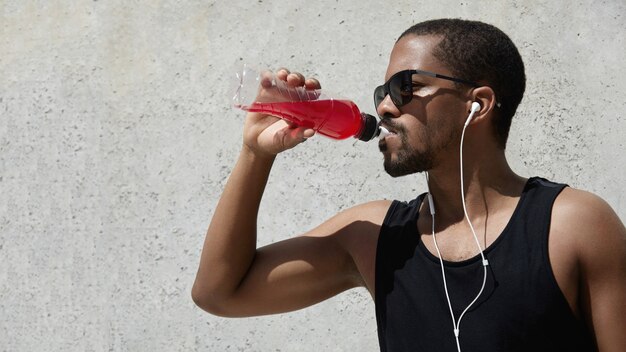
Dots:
(356, 231)
(353, 221)
(586, 219)
(373, 211)
(586, 233)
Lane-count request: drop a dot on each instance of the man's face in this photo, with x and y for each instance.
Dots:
(427, 130)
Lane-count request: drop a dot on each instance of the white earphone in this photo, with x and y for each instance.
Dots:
(456, 323)
(475, 107)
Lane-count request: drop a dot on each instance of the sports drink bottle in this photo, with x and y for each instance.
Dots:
(337, 118)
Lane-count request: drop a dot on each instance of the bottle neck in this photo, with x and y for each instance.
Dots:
(369, 128)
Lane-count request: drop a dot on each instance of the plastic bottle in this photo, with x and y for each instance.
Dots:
(330, 116)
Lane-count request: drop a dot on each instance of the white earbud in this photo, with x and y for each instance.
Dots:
(475, 107)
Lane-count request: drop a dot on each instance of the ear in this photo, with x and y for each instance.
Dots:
(486, 97)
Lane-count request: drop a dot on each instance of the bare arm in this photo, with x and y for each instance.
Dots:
(301, 271)
(599, 244)
(236, 279)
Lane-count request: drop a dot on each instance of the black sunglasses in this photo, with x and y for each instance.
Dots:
(400, 86)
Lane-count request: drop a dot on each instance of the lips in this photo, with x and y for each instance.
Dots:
(389, 132)
(390, 129)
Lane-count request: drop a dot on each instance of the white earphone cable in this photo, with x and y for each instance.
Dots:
(456, 324)
(443, 273)
(480, 249)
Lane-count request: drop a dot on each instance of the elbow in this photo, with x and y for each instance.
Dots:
(197, 296)
(203, 299)
(209, 302)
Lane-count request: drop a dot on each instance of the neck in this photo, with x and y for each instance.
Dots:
(488, 182)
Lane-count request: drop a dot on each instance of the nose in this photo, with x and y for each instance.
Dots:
(387, 109)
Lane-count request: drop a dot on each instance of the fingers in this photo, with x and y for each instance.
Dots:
(290, 136)
(312, 83)
(301, 134)
(308, 133)
(282, 73)
(296, 79)
(266, 79)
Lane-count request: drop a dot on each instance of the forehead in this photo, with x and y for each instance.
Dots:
(414, 52)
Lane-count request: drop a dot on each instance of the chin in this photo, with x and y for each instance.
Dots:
(402, 164)
(395, 169)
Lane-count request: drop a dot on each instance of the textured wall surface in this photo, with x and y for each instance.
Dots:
(116, 139)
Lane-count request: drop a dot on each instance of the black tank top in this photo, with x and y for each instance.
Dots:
(521, 308)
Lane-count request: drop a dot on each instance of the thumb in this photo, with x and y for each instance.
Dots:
(291, 136)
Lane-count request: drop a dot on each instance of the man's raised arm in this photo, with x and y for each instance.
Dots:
(236, 279)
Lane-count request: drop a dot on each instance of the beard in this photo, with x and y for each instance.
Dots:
(408, 159)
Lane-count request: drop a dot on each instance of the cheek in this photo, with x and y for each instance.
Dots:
(443, 131)
(418, 136)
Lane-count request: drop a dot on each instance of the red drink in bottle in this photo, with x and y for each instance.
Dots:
(337, 119)
(331, 117)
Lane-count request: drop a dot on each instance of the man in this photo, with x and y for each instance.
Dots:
(546, 272)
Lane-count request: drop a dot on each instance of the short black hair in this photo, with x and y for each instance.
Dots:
(480, 52)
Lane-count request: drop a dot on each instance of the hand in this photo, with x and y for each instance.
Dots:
(267, 135)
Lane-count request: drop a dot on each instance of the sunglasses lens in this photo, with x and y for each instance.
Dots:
(379, 96)
(400, 89)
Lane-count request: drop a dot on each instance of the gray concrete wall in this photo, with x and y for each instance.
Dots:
(116, 139)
